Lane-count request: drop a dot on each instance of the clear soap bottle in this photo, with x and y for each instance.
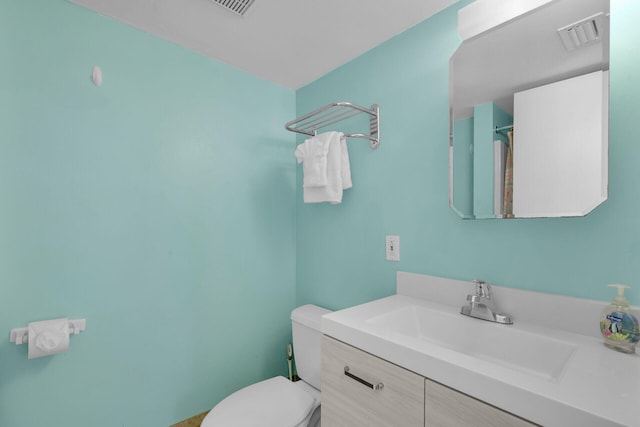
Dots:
(618, 325)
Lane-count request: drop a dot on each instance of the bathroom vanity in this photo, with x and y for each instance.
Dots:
(412, 359)
(404, 399)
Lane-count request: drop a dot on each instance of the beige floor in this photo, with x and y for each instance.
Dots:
(192, 422)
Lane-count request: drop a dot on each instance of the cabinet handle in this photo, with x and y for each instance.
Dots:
(378, 386)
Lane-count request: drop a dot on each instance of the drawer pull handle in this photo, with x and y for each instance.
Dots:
(378, 386)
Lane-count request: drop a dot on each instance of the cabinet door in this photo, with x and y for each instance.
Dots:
(560, 147)
(350, 403)
(446, 407)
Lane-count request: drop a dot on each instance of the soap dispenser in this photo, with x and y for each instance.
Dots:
(618, 325)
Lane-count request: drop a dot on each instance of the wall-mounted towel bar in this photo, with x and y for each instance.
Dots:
(337, 112)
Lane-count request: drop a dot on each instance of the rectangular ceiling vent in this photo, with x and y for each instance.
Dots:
(583, 33)
(239, 7)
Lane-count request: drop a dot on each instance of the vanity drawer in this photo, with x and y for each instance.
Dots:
(350, 403)
(446, 407)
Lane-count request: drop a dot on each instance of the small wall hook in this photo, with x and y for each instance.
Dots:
(96, 76)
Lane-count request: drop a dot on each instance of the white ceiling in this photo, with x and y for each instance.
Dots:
(288, 42)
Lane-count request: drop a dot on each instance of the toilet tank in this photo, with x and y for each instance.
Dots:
(305, 326)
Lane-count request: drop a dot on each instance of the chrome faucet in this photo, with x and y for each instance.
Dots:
(481, 305)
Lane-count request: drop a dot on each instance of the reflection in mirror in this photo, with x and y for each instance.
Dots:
(529, 115)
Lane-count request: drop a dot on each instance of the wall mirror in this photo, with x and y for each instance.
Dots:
(529, 115)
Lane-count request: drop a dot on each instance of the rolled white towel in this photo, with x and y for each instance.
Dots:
(346, 165)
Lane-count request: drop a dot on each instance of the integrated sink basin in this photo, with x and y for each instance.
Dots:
(507, 346)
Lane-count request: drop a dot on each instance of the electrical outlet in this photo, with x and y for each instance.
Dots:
(393, 248)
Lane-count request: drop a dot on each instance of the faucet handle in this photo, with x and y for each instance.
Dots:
(483, 289)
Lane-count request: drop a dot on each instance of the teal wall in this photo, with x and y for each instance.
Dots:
(160, 207)
(486, 117)
(483, 161)
(462, 157)
(402, 187)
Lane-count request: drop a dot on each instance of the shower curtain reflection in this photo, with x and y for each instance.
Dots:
(508, 179)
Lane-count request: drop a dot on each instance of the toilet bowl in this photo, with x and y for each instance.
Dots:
(278, 402)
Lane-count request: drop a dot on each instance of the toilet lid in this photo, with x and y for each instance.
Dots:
(275, 402)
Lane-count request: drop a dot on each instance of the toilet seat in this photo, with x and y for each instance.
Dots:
(275, 402)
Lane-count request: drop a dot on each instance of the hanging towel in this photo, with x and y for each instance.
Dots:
(346, 166)
(338, 173)
(313, 152)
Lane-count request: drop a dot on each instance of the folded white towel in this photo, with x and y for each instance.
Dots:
(338, 172)
(313, 152)
(346, 165)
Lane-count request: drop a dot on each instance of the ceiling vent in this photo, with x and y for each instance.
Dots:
(239, 7)
(585, 32)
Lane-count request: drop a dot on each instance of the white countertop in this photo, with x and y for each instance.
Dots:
(598, 387)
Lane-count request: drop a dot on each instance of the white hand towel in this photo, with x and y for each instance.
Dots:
(346, 165)
(338, 173)
(313, 152)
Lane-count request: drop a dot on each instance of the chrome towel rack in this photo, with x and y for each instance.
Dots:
(337, 112)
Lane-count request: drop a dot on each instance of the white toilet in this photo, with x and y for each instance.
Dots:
(277, 402)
